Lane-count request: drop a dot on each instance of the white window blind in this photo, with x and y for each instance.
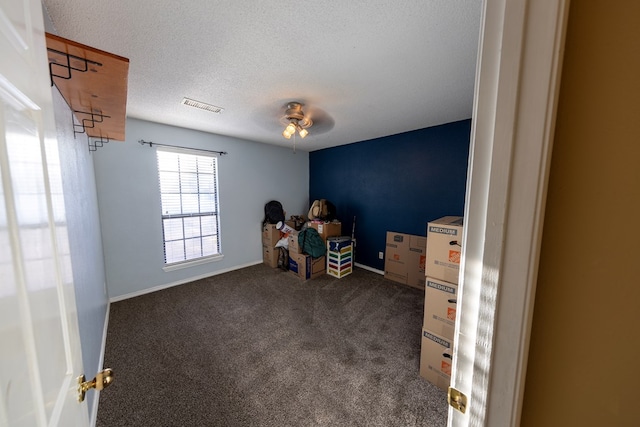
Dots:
(190, 208)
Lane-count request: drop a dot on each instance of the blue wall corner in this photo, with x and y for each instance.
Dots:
(395, 183)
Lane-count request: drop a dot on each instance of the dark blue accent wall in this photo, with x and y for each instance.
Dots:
(396, 183)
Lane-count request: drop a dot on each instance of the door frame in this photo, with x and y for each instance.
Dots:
(517, 82)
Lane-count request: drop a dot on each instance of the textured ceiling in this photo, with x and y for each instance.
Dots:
(363, 69)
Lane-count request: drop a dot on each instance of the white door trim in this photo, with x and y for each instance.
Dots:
(517, 82)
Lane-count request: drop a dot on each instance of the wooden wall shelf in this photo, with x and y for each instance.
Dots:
(94, 84)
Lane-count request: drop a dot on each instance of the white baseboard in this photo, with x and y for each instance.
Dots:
(180, 282)
(93, 416)
(366, 267)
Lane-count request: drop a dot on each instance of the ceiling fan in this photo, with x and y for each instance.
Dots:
(303, 116)
(295, 120)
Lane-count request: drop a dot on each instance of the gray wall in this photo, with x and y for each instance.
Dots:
(129, 202)
(85, 244)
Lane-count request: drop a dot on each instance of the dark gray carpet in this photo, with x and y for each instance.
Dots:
(259, 347)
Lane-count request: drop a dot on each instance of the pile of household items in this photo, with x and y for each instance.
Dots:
(307, 246)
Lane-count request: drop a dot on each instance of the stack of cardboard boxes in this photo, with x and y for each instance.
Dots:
(404, 260)
(302, 265)
(270, 237)
(444, 240)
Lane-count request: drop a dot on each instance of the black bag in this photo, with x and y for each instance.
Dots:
(273, 213)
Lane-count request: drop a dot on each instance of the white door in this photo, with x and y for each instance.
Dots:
(517, 80)
(40, 357)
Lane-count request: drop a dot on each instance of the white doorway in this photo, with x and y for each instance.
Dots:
(517, 81)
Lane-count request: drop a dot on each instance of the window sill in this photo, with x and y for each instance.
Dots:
(192, 263)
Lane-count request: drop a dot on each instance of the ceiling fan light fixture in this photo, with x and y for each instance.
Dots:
(290, 129)
(295, 120)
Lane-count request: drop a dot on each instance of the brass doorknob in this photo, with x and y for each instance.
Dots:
(102, 380)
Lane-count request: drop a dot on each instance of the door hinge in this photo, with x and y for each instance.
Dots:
(457, 400)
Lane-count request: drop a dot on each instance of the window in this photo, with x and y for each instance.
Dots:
(190, 209)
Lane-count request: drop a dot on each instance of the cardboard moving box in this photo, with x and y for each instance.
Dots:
(292, 241)
(396, 256)
(404, 260)
(270, 256)
(306, 267)
(444, 245)
(416, 260)
(435, 359)
(326, 229)
(270, 235)
(440, 302)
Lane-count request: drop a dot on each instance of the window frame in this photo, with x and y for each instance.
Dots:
(176, 265)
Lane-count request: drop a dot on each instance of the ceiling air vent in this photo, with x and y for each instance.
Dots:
(202, 105)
